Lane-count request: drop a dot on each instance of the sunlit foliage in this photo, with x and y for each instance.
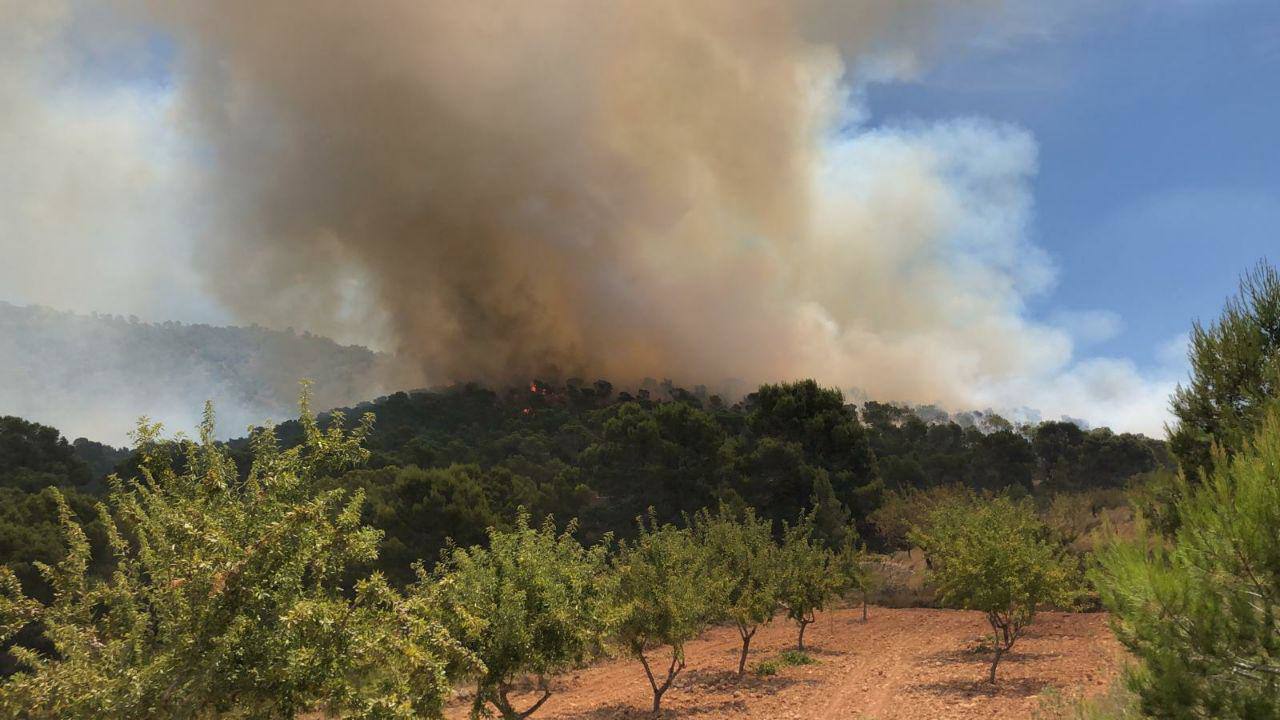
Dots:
(533, 602)
(996, 556)
(1200, 609)
(225, 599)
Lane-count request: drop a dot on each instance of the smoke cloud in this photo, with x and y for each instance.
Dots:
(515, 189)
(95, 184)
(690, 190)
(615, 189)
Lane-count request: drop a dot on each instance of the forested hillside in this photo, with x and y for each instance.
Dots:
(33, 459)
(452, 462)
(95, 375)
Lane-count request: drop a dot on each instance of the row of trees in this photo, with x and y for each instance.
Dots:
(235, 594)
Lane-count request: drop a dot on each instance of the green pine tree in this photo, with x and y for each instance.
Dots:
(1201, 609)
(1235, 372)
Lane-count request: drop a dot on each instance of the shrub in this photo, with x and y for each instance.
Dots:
(796, 657)
(226, 598)
(787, 658)
(766, 668)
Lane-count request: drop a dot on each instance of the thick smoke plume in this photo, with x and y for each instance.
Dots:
(506, 190)
(573, 187)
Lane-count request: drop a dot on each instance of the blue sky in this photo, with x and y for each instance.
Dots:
(1159, 162)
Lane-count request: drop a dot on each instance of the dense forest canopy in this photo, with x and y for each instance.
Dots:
(451, 463)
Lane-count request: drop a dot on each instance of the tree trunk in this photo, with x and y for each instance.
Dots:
(505, 710)
(508, 711)
(800, 640)
(746, 647)
(994, 662)
(864, 607)
(677, 664)
(1005, 632)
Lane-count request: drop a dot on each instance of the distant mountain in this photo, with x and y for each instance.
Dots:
(94, 375)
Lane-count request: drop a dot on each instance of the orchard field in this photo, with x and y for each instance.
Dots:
(902, 664)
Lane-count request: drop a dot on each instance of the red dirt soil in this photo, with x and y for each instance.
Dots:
(903, 664)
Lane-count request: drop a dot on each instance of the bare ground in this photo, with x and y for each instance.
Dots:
(903, 664)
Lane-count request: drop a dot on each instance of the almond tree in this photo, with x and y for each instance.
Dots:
(997, 557)
(226, 598)
(745, 567)
(662, 598)
(531, 603)
(855, 571)
(808, 577)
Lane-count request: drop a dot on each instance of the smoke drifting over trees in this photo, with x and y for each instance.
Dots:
(668, 189)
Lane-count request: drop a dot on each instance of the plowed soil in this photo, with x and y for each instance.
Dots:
(902, 664)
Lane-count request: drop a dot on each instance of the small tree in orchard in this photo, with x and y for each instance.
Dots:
(663, 598)
(808, 576)
(855, 571)
(997, 557)
(226, 599)
(744, 561)
(532, 603)
(1201, 610)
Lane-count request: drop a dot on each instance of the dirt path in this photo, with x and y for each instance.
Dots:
(910, 664)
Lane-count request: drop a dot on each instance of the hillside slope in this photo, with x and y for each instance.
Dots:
(94, 375)
(903, 664)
